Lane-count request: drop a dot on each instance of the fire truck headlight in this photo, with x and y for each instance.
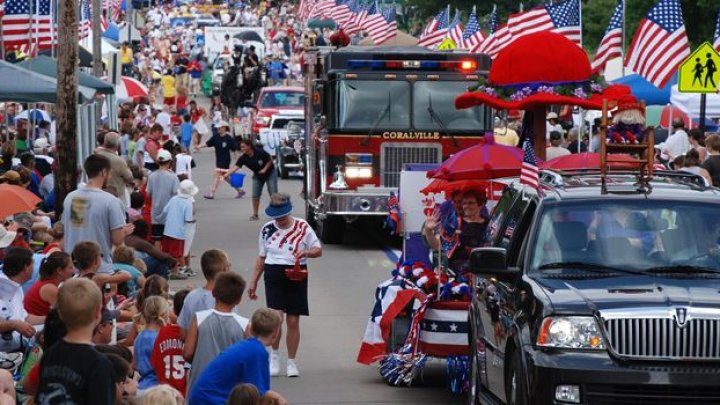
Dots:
(262, 120)
(352, 172)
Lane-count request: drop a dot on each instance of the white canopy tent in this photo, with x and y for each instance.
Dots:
(690, 103)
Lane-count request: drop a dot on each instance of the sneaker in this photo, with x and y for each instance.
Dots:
(188, 271)
(292, 369)
(274, 364)
(209, 196)
(240, 194)
(178, 276)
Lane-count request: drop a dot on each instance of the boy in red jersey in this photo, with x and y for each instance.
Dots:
(167, 354)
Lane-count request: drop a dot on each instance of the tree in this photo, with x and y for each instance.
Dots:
(67, 98)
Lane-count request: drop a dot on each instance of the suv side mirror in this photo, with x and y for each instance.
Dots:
(490, 260)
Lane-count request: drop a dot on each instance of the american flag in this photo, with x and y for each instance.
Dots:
(529, 169)
(342, 12)
(20, 28)
(611, 44)
(563, 18)
(322, 8)
(390, 15)
(375, 23)
(494, 20)
(660, 44)
(716, 42)
(456, 30)
(304, 9)
(85, 23)
(436, 30)
(495, 42)
(351, 27)
(472, 36)
(360, 17)
(114, 6)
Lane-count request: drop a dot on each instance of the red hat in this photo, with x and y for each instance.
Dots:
(629, 102)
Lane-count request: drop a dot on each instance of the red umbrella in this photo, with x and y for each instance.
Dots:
(484, 161)
(129, 88)
(16, 199)
(588, 160)
(671, 110)
(443, 186)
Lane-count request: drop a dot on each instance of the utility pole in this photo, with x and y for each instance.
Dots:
(97, 51)
(67, 99)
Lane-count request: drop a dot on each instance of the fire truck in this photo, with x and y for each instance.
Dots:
(371, 110)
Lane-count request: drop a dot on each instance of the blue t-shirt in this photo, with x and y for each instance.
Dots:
(143, 349)
(134, 272)
(177, 213)
(244, 362)
(186, 131)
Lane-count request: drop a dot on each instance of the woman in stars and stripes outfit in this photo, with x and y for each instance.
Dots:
(284, 241)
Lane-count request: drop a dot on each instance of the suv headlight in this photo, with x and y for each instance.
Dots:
(262, 120)
(570, 332)
(358, 172)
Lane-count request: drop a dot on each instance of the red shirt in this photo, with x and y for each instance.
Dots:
(167, 358)
(33, 303)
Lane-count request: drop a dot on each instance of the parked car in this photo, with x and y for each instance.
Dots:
(290, 126)
(219, 67)
(272, 100)
(597, 292)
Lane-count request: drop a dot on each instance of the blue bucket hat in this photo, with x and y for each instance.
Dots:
(279, 211)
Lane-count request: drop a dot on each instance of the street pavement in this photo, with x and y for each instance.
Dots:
(342, 284)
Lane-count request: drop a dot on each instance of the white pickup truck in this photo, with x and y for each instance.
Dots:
(284, 140)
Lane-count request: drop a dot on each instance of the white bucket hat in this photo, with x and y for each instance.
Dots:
(187, 189)
(6, 237)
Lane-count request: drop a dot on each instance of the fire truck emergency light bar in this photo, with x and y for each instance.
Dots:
(412, 64)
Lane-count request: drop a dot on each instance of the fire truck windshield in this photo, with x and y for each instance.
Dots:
(359, 103)
(441, 94)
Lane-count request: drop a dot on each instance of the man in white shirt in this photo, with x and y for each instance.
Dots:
(164, 119)
(555, 149)
(677, 144)
(552, 124)
(16, 323)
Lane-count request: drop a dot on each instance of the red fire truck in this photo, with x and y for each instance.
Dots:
(371, 110)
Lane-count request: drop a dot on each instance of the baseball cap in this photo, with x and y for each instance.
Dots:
(164, 155)
(10, 175)
(551, 116)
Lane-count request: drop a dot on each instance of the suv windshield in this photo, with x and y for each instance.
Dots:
(646, 236)
(362, 103)
(272, 99)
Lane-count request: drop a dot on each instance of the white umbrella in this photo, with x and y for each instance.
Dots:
(37, 115)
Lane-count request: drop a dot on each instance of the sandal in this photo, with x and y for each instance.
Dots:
(254, 218)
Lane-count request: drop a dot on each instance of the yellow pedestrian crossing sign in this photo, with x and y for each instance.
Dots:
(447, 44)
(700, 73)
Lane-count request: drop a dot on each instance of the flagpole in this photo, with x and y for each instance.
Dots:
(623, 38)
(581, 25)
(2, 44)
(52, 29)
(32, 31)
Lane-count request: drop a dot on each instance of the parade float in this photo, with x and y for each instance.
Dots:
(421, 311)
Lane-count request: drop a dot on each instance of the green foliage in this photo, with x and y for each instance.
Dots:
(699, 16)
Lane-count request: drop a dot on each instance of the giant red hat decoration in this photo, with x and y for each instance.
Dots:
(540, 69)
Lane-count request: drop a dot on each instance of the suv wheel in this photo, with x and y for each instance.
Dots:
(514, 387)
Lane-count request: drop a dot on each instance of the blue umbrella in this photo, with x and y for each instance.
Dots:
(646, 91)
(112, 32)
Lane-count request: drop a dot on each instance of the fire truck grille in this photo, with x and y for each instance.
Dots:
(393, 156)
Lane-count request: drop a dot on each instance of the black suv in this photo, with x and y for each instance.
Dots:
(599, 291)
